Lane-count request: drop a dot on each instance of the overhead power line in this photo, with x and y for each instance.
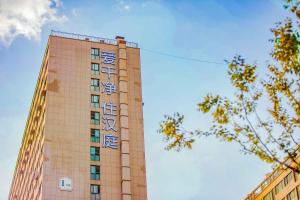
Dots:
(184, 58)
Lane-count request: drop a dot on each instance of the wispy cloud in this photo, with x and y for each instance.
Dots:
(122, 5)
(74, 12)
(130, 5)
(26, 18)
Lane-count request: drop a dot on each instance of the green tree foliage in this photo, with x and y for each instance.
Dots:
(270, 131)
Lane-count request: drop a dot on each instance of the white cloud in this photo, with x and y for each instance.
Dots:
(126, 7)
(26, 18)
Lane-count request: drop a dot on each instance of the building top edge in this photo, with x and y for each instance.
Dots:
(76, 36)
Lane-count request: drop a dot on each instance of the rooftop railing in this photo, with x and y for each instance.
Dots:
(90, 38)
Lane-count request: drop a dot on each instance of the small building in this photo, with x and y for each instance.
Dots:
(281, 184)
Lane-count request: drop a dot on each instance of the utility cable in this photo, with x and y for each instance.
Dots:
(184, 58)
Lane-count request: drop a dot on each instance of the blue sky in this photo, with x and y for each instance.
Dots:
(205, 29)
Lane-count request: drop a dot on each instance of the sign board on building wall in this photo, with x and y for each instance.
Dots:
(65, 184)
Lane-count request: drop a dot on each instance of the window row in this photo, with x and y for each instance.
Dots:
(280, 186)
(95, 133)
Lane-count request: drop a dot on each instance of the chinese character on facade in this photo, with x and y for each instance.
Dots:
(109, 123)
(108, 57)
(109, 88)
(109, 108)
(108, 70)
(110, 141)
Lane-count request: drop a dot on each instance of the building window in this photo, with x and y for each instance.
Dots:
(95, 68)
(95, 153)
(95, 54)
(95, 117)
(95, 172)
(95, 192)
(95, 101)
(292, 195)
(95, 135)
(279, 187)
(95, 84)
(269, 196)
(289, 178)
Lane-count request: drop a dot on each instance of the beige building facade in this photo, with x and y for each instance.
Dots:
(84, 135)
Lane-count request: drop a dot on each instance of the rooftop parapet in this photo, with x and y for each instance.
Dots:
(90, 38)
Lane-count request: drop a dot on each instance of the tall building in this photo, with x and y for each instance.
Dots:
(84, 137)
(281, 184)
